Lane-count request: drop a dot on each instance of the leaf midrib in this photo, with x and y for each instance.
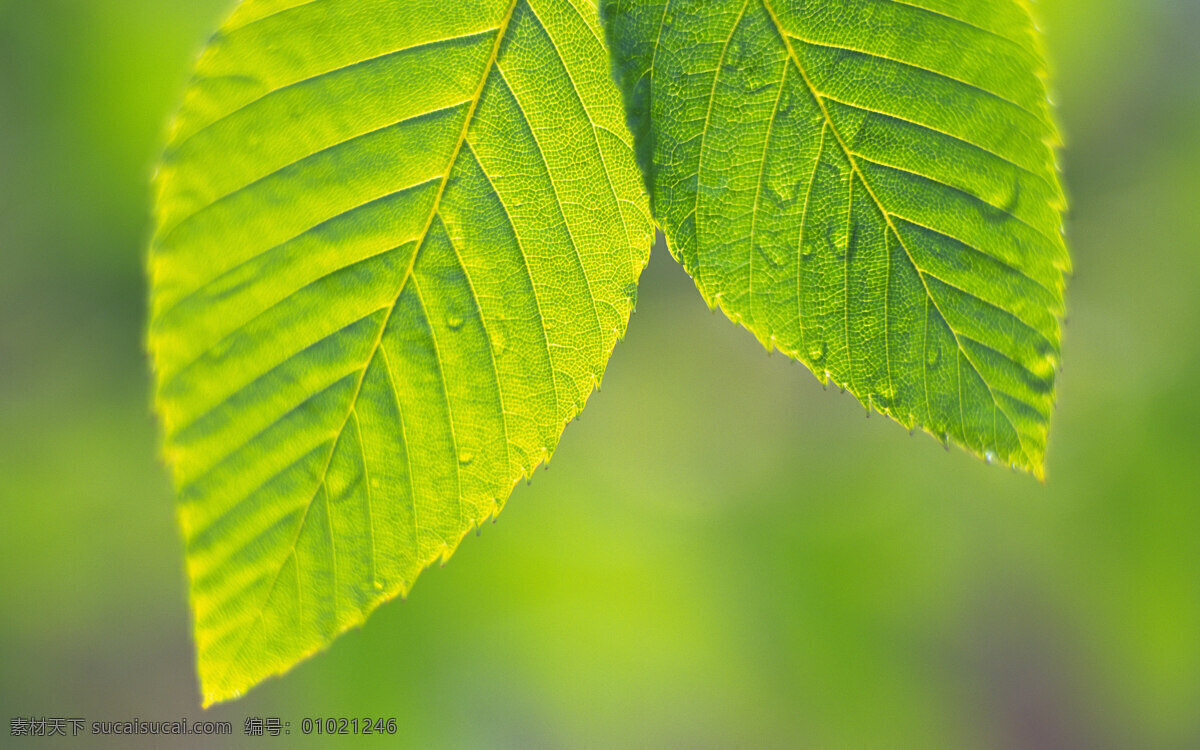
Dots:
(501, 33)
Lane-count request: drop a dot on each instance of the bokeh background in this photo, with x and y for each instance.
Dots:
(722, 554)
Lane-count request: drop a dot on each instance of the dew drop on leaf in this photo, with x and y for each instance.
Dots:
(933, 356)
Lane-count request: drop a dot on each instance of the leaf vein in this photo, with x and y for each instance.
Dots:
(915, 66)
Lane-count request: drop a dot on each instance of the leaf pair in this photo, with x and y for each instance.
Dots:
(397, 241)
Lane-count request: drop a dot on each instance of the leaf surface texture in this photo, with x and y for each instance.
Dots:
(396, 244)
(869, 186)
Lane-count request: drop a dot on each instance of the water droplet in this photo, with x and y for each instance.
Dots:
(454, 322)
(816, 352)
(885, 398)
(933, 356)
(787, 100)
(466, 457)
(989, 457)
(753, 88)
(631, 293)
(378, 585)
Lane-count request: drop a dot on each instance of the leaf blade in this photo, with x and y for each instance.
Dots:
(387, 290)
(869, 187)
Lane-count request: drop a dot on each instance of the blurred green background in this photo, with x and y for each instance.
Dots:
(723, 554)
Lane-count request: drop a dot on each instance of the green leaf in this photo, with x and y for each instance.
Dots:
(870, 187)
(396, 244)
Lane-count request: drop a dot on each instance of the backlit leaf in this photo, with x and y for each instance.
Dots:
(396, 242)
(870, 187)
